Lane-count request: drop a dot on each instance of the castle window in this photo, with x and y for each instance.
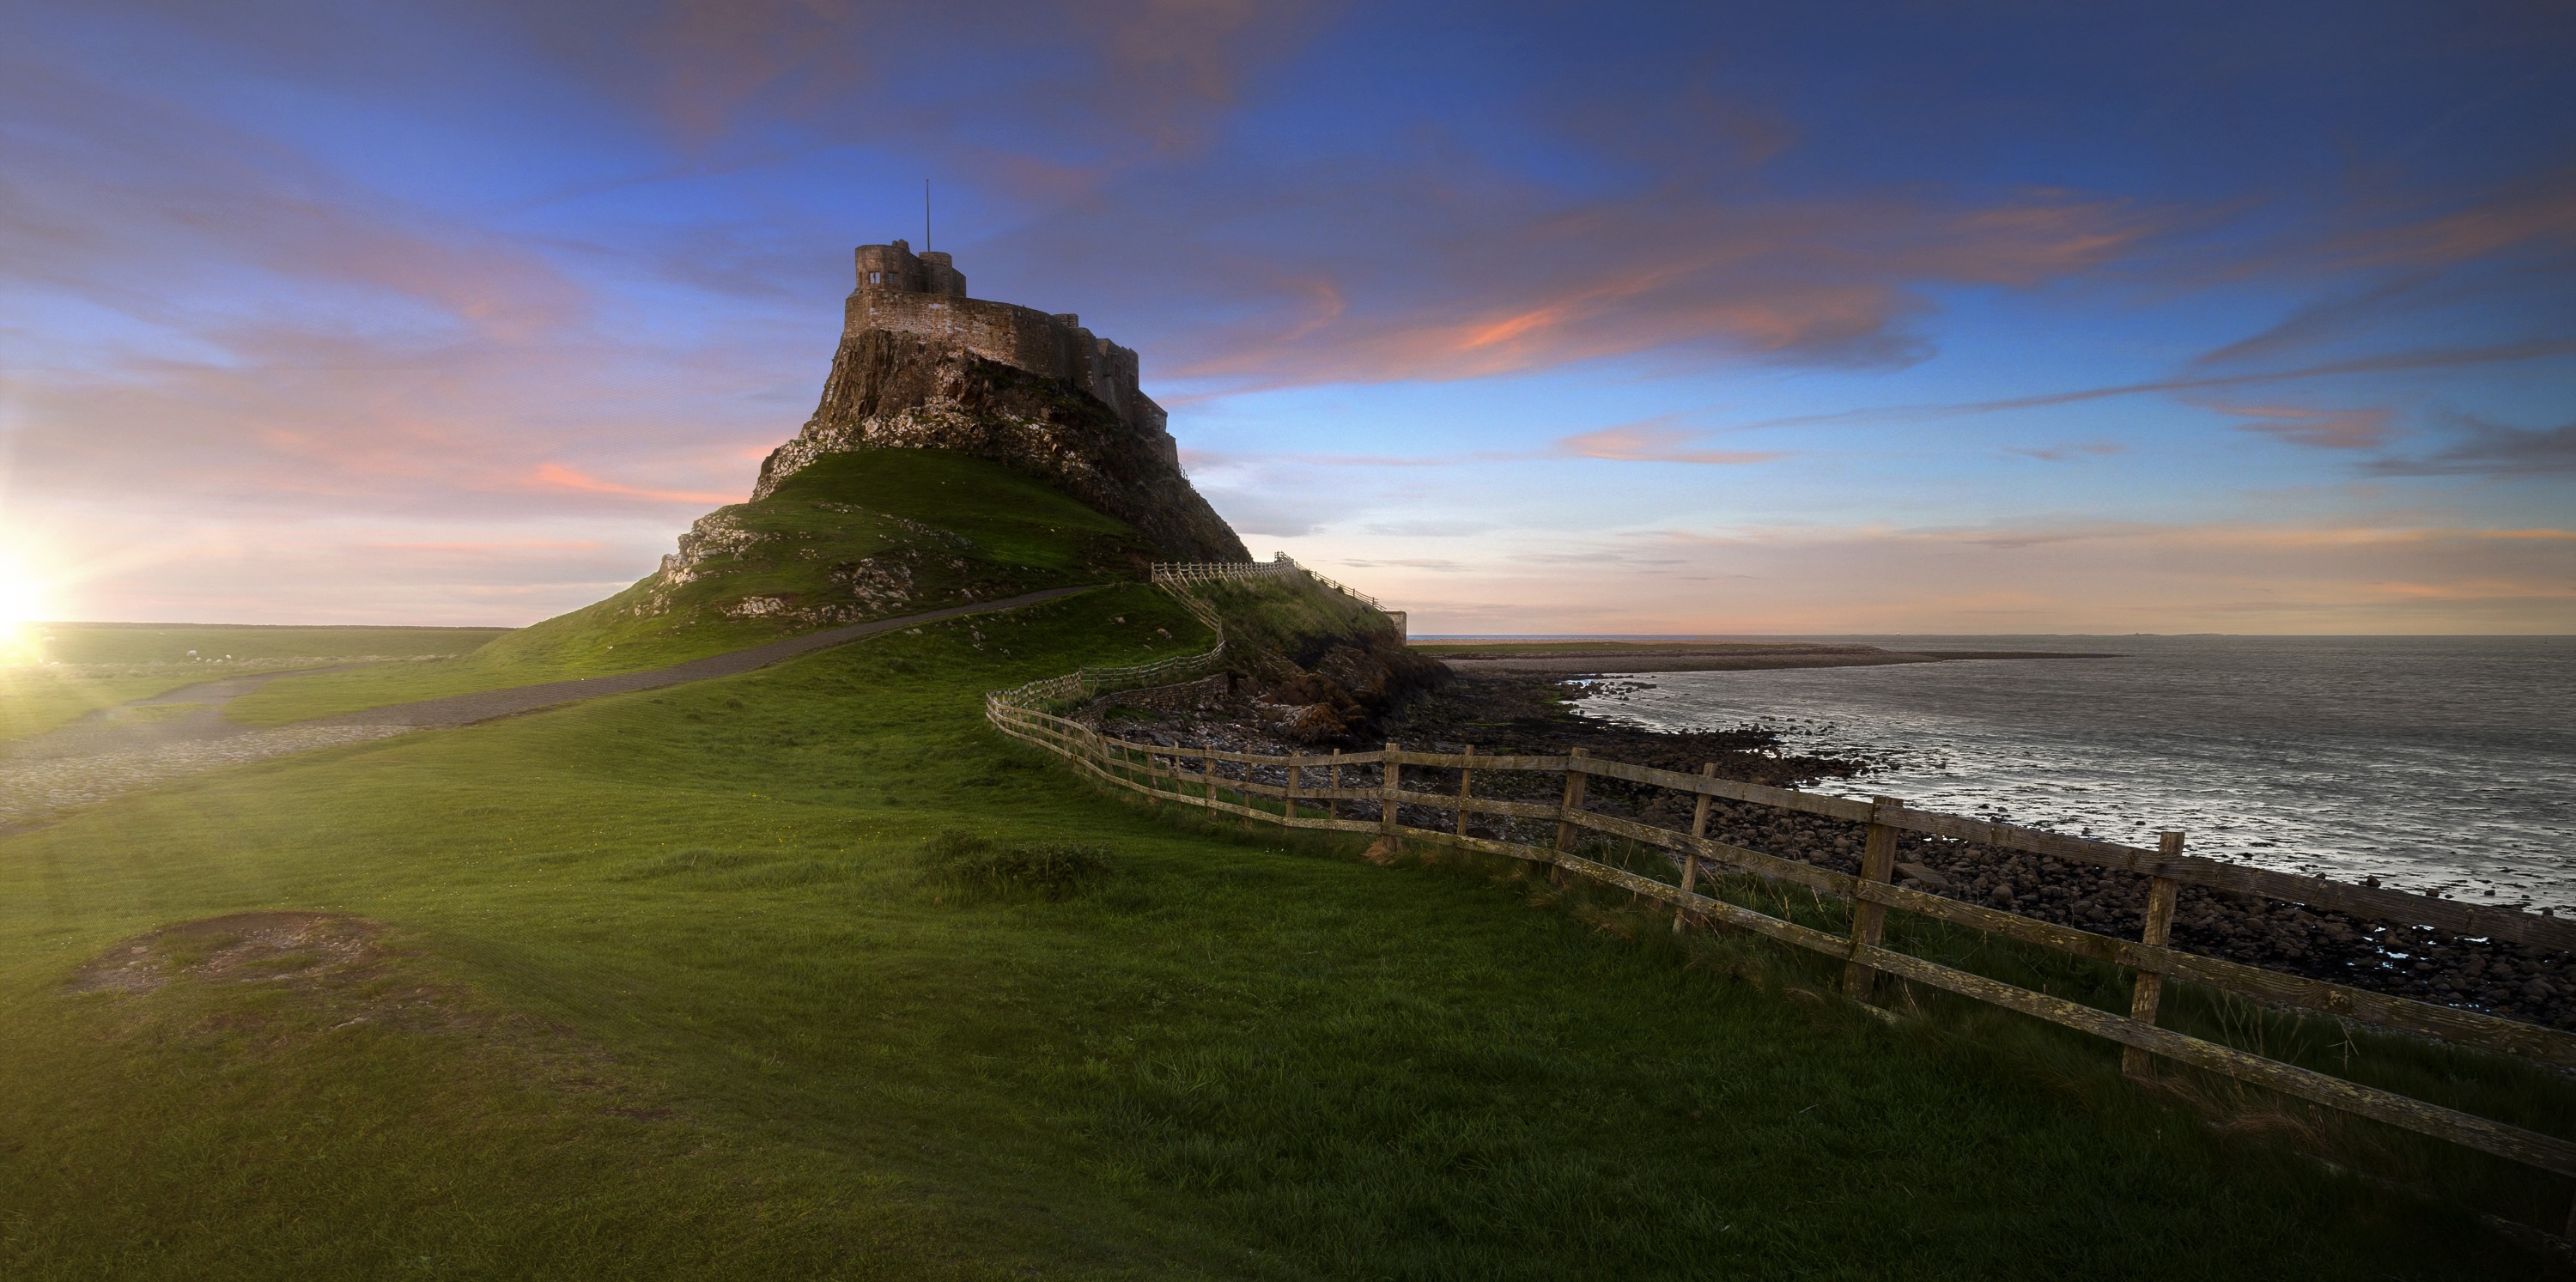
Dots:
(876, 278)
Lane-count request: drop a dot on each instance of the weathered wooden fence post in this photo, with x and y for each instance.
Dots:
(1386, 801)
(1207, 774)
(1877, 862)
(1288, 796)
(1332, 785)
(1699, 831)
(1575, 783)
(1466, 775)
(2157, 931)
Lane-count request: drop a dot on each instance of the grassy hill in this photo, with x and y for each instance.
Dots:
(1291, 615)
(852, 537)
(693, 984)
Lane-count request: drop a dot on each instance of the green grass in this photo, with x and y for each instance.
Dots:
(1293, 615)
(961, 528)
(88, 644)
(680, 990)
(89, 666)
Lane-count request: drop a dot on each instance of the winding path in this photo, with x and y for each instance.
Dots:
(147, 742)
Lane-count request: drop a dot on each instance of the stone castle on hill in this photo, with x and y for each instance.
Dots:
(923, 366)
(925, 294)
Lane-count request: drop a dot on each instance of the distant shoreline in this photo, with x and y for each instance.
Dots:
(1570, 658)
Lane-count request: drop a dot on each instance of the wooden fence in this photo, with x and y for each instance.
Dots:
(1177, 576)
(1314, 792)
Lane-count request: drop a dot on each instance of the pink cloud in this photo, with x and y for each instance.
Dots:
(2541, 212)
(561, 477)
(1450, 271)
(1652, 442)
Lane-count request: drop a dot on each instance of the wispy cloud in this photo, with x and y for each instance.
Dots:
(1714, 273)
(2493, 449)
(2061, 453)
(2537, 212)
(2325, 429)
(1432, 529)
(1655, 440)
(561, 477)
(2428, 358)
(1406, 563)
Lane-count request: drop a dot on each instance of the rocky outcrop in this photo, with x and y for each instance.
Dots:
(1269, 701)
(902, 391)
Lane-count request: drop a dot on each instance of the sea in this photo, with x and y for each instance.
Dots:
(2431, 763)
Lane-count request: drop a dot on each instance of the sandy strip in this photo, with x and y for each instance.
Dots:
(1578, 664)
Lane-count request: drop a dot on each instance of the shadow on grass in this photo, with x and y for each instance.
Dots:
(2248, 1122)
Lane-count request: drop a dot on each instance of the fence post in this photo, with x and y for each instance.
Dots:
(1288, 797)
(1394, 780)
(1877, 862)
(1333, 784)
(2157, 930)
(1465, 775)
(1207, 774)
(1575, 784)
(1699, 832)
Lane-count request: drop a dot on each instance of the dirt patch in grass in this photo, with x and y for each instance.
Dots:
(289, 949)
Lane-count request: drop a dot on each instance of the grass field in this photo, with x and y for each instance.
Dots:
(953, 527)
(89, 666)
(679, 985)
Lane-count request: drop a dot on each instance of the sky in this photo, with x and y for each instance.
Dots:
(1831, 318)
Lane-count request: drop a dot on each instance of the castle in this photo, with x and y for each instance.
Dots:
(923, 367)
(925, 295)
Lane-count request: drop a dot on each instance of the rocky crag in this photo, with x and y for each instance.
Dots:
(1307, 666)
(921, 366)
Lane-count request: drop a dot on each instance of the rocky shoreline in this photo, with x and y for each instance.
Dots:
(1535, 714)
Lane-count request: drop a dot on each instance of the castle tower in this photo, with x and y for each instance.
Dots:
(897, 268)
(925, 295)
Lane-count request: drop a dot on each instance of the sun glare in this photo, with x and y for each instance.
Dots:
(22, 604)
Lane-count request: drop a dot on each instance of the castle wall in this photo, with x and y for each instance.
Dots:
(1021, 337)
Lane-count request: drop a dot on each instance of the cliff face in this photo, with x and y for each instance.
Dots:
(892, 390)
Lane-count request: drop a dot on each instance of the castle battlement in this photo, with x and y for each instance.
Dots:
(924, 294)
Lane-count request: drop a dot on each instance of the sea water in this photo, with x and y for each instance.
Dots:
(2431, 763)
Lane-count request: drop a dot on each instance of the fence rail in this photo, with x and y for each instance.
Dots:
(1186, 572)
(1177, 575)
(1313, 792)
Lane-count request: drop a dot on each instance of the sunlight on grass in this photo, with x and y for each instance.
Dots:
(683, 984)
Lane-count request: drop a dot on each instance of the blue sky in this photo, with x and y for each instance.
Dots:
(1532, 318)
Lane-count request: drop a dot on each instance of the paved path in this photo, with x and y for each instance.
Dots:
(150, 741)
